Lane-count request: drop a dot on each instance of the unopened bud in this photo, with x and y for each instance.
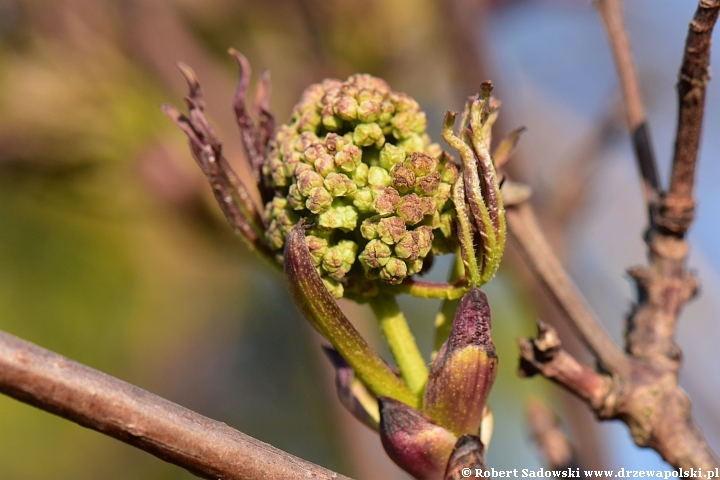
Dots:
(464, 370)
(414, 441)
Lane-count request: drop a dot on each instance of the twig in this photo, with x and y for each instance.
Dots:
(612, 16)
(544, 355)
(545, 429)
(678, 206)
(524, 228)
(205, 447)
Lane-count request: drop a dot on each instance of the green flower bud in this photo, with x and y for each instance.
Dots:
(367, 134)
(334, 287)
(428, 184)
(317, 246)
(348, 158)
(363, 200)
(318, 200)
(338, 260)
(391, 229)
(375, 255)
(421, 164)
(378, 176)
(368, 228)
(339, 185)
(368, 111)
(411, 144)
(394, 271)
(386, 200)
(354, 160)
(346, 108)
(342, 217)
(408, 247)
(403, 179)
(391, 155)
(360, 175)
(324, 165)
(410, 209)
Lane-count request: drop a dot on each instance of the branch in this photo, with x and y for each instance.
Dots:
(612, 15)
(536, 250)
(545, 356)
(205, 447)
(545, 429)
(678, 206)
(647, 396)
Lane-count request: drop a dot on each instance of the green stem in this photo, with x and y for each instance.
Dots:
(444, 291)
(444, 317)
(401, 342)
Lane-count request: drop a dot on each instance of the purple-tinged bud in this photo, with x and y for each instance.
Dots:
(463, 372)
(414, 441)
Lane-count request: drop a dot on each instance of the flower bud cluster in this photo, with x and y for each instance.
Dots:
(356, 162)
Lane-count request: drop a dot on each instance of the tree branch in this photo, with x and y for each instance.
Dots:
(533, 245)
(647, 396)
(205, 447)
(612, 15)
(677, 207)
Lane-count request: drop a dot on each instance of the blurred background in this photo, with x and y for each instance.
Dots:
(113, 253)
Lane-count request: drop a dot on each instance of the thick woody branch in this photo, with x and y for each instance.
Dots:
(677, 208)
(611, 13)
(536, 250)
(205, 447)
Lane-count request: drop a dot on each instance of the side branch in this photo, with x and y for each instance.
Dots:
(205, 447)
(612, 15)
(524, 228)
(678, 207)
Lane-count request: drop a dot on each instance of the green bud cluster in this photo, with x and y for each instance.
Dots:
(355, 160)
